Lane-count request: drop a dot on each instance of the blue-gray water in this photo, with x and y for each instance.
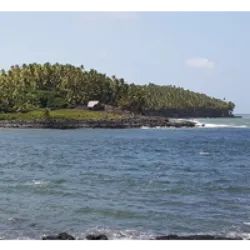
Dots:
(129, 184)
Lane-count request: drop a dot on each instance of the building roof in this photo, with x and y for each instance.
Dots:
(92, 104)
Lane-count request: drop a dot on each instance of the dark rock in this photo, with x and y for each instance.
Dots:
(188, 113)
(134, 122)
(65, 236)
(100, 237)
(61, 236)
(197, 241)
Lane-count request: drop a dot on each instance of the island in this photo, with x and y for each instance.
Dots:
(66, 96)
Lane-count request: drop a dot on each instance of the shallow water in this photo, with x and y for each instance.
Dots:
(128, 184)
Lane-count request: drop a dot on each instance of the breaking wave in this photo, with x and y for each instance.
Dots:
(217, 125)
(213, 123)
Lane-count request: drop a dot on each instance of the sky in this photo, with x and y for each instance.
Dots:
(206, 52)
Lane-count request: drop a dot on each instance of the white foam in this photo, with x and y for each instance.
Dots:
(157, 127)
(37, 183)
(204, 153)
(245, 236)
(213, 125)
(114, 234)
(145, 127)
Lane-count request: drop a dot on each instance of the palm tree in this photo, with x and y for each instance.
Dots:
(19, 88)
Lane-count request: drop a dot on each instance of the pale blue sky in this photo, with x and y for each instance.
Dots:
(204, 52)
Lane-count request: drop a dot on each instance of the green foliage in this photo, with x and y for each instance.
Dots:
(64, 114)
(32, 115)
(33, 86)
(50, 99)
(74, 114)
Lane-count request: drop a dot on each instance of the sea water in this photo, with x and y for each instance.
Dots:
(126, 183)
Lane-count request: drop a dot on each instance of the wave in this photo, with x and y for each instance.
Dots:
(204, 153)
(203, 124)
(116, 234)
(37, 183)
(43, 183)
(214, 125)
(145, 127)
(243, 235)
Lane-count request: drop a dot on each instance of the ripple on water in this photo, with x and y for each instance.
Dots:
(126, 183)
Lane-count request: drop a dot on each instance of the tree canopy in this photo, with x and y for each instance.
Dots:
(31, 86)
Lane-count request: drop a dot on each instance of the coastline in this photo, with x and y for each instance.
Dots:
(168, 241)
(102, 241)
(105, 124)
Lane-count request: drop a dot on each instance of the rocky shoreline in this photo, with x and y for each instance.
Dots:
(134, 122)
(169, 241)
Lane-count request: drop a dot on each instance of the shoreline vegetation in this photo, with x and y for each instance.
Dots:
(57, 96)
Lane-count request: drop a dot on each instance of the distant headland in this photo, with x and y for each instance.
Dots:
(32, 92)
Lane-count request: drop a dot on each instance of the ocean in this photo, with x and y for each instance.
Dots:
(126, 183)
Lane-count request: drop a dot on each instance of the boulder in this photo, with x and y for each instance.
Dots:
(96, 237)
(195, 237)
(60, 236)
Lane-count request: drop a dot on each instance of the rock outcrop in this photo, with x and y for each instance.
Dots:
(190, 113)
(60, 236)
(96, 237)
(135, 122)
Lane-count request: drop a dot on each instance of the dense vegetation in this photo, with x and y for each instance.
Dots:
(33, 86)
